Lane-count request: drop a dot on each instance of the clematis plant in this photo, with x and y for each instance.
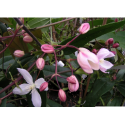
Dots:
(25, 88)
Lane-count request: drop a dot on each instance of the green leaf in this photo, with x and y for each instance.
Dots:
(118, 67)
(50, 70)
(8, 60)
(37, 22)
(13, 22)
(3, 28)
(121, 88)
(52, 103)
(3, 104)
(120, 74)
(99, 22)
(106, 97)
(90, 35)
(5, 20)
(101, 86)
(115, 101)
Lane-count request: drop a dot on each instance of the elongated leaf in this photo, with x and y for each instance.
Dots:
(115, 101)
(3, 28)
(90, 35)
(99, 22)
(3, 104)
(8, 60)
(52, 103)
(118, 67)
(120, 74)
(121, 88)
(101, 86)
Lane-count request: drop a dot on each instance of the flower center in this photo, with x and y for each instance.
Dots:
(101, 60)
(32, 86)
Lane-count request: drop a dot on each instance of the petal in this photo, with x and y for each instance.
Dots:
(38, 82)
(76, 53)
(84, 76)
(46, 89)
(82, 60)
(94, 66)
(60, 63)
(104, 53)
(110, 55)
(88, 70)
(36, 99)
(106, 64)
(26, 75)
(24, 89)
(103, 69)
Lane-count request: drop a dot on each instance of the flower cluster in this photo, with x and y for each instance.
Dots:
(88, 61)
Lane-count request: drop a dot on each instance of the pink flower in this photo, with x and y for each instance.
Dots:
(62, 95)
(84, 28)
(40, 63)
(87, 60)
(47, 48)
(18, 53)
(27, 39)
(104, 65)
(73, 83)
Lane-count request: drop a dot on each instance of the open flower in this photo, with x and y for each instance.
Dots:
(87, 60)
(104, 65)
(30, 86)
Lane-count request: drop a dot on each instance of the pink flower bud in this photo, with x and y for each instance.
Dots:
(43, 86)
(47, 48)
(84, 28)
(62, 95)
(113, 52)
(25, 34)
(116, 20)
(71, 79)
(115, 45)
(73, 83)
(18, 53)
(27, 39)
(40, 63)
(94, 51)
(110, 40)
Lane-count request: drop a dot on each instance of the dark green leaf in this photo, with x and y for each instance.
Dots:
(5, 20)
(120, 74)
(101, 86)
(3, 28)
(52, 103)
(10, 105)
(115, 101)
(121, 88)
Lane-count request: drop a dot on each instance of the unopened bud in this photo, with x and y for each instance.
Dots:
(27, 39)
(115, 45)
(43, 86)
(25, 34)
(62, 95)
(116, 20)
(40, 63)
(110, 41)
(47, 48)
(84, 28)
(71, 79)
(113, 52)
(94, 51)
(18, 53)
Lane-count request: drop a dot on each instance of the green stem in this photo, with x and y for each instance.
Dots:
(102, 101)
